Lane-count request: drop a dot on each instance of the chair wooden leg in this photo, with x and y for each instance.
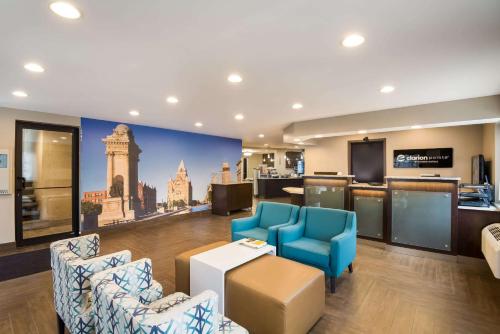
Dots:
(60, 325)
(332, 284)
(350, 268)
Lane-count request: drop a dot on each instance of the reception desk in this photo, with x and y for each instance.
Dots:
(423, 213)
(327, 191)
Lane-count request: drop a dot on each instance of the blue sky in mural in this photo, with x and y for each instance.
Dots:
(162, 150)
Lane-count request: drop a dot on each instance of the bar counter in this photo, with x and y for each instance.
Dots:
(273, 187)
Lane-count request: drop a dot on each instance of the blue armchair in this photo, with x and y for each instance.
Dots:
(264, 225)
(323, 238)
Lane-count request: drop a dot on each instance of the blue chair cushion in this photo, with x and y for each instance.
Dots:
(256, 233)
(309, 251)
(323, 224)
(275, 214)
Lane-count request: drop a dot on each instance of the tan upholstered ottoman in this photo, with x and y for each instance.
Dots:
(182, 265)
(275, 295)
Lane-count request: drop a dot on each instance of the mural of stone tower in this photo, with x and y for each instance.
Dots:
(179, 190)
(122, 153)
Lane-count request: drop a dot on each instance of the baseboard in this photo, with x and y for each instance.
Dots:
(421, 253)
(373, 243)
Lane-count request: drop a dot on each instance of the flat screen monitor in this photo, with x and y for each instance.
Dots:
(368, 161)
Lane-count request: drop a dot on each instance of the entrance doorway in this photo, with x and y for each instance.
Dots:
(46, 168)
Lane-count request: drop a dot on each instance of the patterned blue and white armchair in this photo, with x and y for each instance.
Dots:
(73, 261)
(118, 307)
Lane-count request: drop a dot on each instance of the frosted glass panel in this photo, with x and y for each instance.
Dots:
(422, 219)
(324, 197)
(370, 216)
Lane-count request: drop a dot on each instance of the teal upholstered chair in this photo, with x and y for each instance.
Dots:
(264, 225)
(323, 238)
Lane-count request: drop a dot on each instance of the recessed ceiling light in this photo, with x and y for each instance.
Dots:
(198, 124)
(65, 9)
(297, 106)
(387, 89)
(239, 117)
(134, 113)
(353, 40)
(19, 93)
(318, 136)
(296, 139)
(172, 99)
(34, 67)
(234, 78)
(416, 126)
(362, 132)
(261, 135)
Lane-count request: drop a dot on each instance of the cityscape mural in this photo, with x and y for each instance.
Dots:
(131, 172)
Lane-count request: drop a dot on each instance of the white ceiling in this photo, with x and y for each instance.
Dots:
(128, 54)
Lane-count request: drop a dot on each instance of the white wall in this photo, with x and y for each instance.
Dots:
(331, 154)
(8, 119)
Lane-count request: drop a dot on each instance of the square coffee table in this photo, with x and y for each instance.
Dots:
(208, 269)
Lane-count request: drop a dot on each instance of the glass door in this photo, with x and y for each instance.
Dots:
(46, 182)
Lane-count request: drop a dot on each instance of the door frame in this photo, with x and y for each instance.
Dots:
(75, 166)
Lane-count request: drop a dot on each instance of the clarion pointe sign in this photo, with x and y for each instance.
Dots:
(424, 158)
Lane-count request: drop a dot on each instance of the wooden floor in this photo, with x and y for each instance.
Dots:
(388, 292)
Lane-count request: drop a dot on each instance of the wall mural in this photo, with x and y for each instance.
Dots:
(133, 173)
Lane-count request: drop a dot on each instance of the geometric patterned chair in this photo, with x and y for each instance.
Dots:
(73, 261)
(119, 308)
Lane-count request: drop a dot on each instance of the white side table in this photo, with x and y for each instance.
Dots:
(208, 269)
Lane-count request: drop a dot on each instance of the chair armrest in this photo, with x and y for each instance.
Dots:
(272, 233)
(243, 224)
(154, 293)
(343, 248)
(290, 233)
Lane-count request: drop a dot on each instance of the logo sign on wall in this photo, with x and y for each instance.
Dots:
(424, 158)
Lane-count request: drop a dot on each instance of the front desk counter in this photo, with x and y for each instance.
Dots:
(327, 191)
(370, 204)
(423, 213)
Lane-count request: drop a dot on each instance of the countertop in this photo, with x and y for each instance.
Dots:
(492, 208)
(294, 190)
(427, 178)
(279, 178)
(330, 176)
(367, 186)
